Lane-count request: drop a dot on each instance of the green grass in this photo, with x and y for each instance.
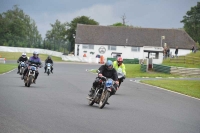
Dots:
(16, 55)
(168, 63)
(7, 67)
(187, 87)
(133, 70)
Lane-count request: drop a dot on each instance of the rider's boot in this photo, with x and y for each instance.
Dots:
(91, 92)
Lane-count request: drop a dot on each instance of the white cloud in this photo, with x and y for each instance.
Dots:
(101, 13)
(104, 14)
(151, 14)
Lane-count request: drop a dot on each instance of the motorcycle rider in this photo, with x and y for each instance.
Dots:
(22, 58)
(119, 64)
(107, 71)
(48, 60)
(33, 60)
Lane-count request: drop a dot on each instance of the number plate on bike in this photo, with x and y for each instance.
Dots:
(109, 83)
(33, 68)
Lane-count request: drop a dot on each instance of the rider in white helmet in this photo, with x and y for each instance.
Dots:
(22, 58)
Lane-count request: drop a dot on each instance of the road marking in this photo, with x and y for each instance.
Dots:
(7, 72)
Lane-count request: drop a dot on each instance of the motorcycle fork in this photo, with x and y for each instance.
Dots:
(96, 93)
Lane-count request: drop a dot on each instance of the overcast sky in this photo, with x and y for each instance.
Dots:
(143, 13)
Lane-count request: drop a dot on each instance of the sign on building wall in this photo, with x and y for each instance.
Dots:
(102, 50)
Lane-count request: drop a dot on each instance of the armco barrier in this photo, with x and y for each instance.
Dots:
(2, 60)
(173, 70)
(49, 52)
(143, 68)
(161, 68)
(30, 50)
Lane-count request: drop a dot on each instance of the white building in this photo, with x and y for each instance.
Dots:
(129, 42)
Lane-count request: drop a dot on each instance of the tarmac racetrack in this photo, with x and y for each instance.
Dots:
(57, 104)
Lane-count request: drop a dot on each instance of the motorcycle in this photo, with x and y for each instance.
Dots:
(30, 76)
(102, 92)
(120, 75)
(22, 67)
(48, 68)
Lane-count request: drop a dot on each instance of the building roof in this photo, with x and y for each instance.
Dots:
(129, 36)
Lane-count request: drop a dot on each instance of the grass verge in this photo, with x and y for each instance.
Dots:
(7, 67)
(187, 87)
(186, 65)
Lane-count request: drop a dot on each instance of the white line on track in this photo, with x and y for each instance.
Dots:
(7, 72)
(168, 90)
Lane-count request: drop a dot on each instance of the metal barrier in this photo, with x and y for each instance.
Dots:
(3, 60)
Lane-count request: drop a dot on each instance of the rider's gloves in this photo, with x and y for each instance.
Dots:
(117, 82)
(100, 75)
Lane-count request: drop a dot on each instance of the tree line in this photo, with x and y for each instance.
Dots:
(19, 30)
(191, 23)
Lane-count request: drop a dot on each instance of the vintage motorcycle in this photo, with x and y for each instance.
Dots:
(48, 68)
(120, 75)
(30, 76)
(102, 92)
(22, 67)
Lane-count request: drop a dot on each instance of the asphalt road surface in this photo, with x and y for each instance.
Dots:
(58, 104)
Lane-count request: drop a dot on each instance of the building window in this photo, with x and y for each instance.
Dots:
(135, 49)
(87, 46)
(112, 48)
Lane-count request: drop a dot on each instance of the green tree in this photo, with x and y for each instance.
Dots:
(56, 37)
(191, 22)
(18, 29)
(118, 24)
(72, 27)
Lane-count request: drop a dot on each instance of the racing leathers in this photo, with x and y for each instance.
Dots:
(48, 61)
(33, 60)
(21, 59)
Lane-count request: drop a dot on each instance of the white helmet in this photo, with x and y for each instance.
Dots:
(24, 55)
(35, 54)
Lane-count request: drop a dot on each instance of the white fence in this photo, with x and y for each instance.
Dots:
(49, 52)
(2, 60)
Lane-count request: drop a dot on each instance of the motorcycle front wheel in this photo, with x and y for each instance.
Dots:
(104, 98)
(30, 81)
(48, 72)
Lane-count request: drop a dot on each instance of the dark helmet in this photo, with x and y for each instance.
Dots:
(109, 65)
(49, 57)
